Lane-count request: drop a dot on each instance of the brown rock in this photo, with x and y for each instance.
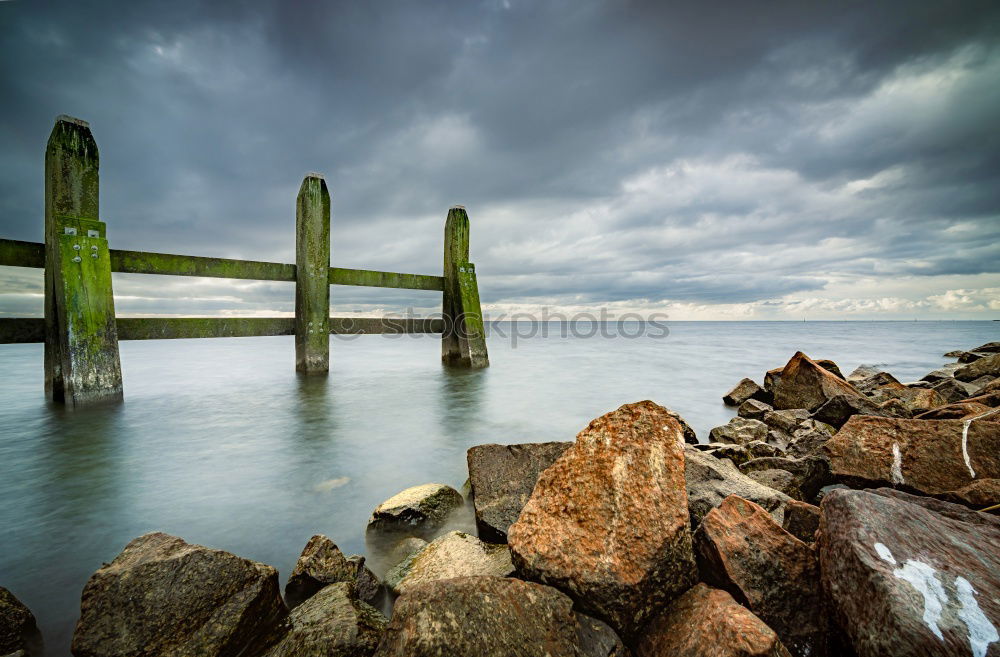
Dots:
(18, 631)
(989, 366)
(740, 548)
(162, 596)
(780, 480)
(332, 623)
(862, 372)
(928, 456)
(707, 622)
(979, 494)
(456, 554)
(711, 480)
(945, 372)
(787, 420)
(953, 390)
(809, 438)
(830, 367)
(988, 348)
(801, 520)
(739, 431)
(608, 522)
(742, 453)
(744, 390)
(957, 411)
(810, 473)
(971, 356)
(771, 378)
(805, 384)
(878, 381)
(322, 563)
(753, 409)
(839, 408)
(906, 580)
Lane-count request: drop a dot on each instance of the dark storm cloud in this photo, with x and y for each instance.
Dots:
(607, 151)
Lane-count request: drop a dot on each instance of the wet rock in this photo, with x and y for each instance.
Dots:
(744, 390)
(332, 623)
(805, 384)
(811, 473)
(739, 431)
(801, 520)
(945, 372)
(595, 638)
(419, 510)
(787, 420)
(455, 554)
(18, 631)
(708, 622)
(929, 456)
(608, 522)
(740, 548)
(905, 580)
(322, 563)
(953, 390)
(780, 480)
(989, 366)
(503, 477)
(839, 408)
(482, 616)
(711, 480)
(163, 596)
(753, 409)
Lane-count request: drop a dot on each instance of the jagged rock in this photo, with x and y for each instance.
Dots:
(689, 435)
(955, 353)
(707, 622)
(971, 356)
(894, 407)
(778, 439)
(945, 372)
(957, 411)
(595, 638)
(163, 596)
(739, 431)
(811, 473)
(911, 576)
(455, 554)
(753, 409)
(801, 520)
(771, 378)
(322, 563)
(805, 384)
(18, 632)
(877, 381)
(332, 623)
(503, 477)
(787, 420)
(711, 480)
(979, 386)
(862, 372)
(482, 616)
(744, 390)
(988, 348)
(418, 510)
(953, 390)
(918, 384)
(608, 522)
(979, 494)
(988, 366)
(740, 548)
(780, 480)
(742, 453)
(830, 367)
(839, 408)
(929, 456)
(809, 438)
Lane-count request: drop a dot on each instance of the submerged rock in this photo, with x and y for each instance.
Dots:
(503, 477)
(806, 384)
(708, 622)
(18, 631)
(419, 510)
(711, 480)
(909, 576)
(455, 554)
(608, 522)
(322, 563)
(163, 596)
(739, 431)
(332, 623)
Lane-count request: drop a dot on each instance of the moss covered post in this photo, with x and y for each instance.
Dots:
(82, 365)
(464, 340)
(312, 271)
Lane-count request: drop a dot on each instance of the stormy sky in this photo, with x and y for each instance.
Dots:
(778, 160)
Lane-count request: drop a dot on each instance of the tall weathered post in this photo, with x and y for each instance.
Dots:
(464, 340)
(82, 365)
(312, 267)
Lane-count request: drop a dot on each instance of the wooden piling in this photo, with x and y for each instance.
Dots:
(312, 286)
(82, 364)
(463, 341)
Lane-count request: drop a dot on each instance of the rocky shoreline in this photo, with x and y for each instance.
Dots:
(834, 515)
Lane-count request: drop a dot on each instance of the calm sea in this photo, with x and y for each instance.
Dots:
(221, 443)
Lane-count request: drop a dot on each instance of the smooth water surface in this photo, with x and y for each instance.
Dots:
(221, 443)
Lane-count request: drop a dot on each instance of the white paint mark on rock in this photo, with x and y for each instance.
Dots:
(885, 553)
(965, 447)
(897, 465)
(981, 631)
(923, 578)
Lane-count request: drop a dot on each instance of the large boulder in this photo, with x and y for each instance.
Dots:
(953, 390)
(740, 548)
(322, 563)
(744, 390)
(163, 596)
(911, 576)
(710, 480)
(418, 510)
(18, 632)
(805, 384)
(482, 616)
(708, 622)
(332, 623)
(928, 456)
(608, 522)
(739, 431)
(988, 366)
(456, 554)
(502, 478)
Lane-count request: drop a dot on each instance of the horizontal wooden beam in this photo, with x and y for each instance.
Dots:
(19, 330)
(141, 262)
(369, 278)
(15, 253)
(384, 325)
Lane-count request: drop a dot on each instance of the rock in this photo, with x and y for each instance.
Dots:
(805, 384)
(839, 408)
(332, 623)
(953, 390)
(418, 510)
(894, 408)
(739, 431)
(809, 438)
(945, 372)
(905, 580)
(957, 411)
(753, 409)
(917, 384)
(771, 378)
(811, 473)
(977, 385)
(953, 354)
(503, 477)
(830, 367)
(455, 554)
(778, 439)
(742, 453)
(608, 522)
(877, 381)
(971, 356)
(595, 638)
(707, 622)
(988, 348)
(689, 435)
(989, 366)
(406, 547)
(163, 596)
(929, 456)
(711, 480)
(990, 388)
(862, 372)
(482, 616)
(744, 390)
(979, 494)
(322, 563)
(801, 520)
(780, 480)
(18, 631)
(740, 548)
(787, 420)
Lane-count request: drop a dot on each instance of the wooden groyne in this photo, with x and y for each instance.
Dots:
(81, 331)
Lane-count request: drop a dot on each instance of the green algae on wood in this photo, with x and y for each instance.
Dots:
(312, 285)
(456, 250)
